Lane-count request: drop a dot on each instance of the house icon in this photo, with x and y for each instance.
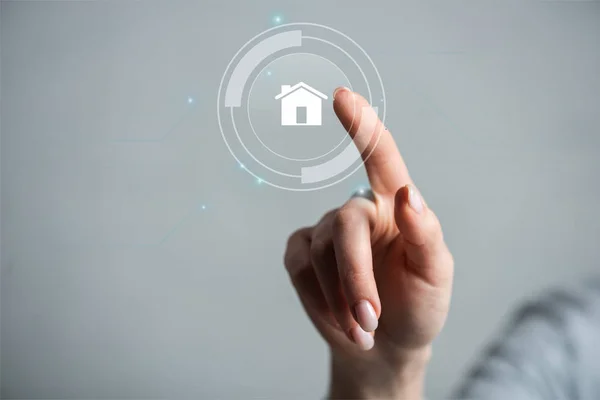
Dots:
(300, 104)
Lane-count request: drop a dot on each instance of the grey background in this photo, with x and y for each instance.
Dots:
(115, 281)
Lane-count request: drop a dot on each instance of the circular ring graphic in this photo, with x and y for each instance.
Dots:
(250, 57)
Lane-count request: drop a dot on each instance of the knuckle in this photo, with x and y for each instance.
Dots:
(345, 218)
(327, 216)
(291, 261)
(296, 235)
(288, 261)
(296, 263)
(295, 256)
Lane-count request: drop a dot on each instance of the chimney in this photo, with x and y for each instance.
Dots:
(285, 88)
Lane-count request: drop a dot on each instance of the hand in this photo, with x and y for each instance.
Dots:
(374, 277)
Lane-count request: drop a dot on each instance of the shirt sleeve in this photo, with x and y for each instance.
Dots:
(550, 350)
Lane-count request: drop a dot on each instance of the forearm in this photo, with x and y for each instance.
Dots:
(394, 380)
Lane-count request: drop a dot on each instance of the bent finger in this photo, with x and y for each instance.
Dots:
(352, 245)
(324, 261)
(302, 275)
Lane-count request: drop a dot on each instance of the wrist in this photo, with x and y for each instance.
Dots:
(382, 376)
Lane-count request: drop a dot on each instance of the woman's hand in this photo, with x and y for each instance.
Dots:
(375, 277)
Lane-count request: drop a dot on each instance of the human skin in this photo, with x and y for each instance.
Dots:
(375, 277)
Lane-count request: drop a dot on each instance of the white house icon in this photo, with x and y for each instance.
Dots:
(300, 104)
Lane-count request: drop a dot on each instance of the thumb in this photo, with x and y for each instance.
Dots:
(421, 237)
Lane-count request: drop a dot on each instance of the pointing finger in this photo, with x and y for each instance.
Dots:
(383, 162)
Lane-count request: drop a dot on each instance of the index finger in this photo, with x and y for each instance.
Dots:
(384, 164)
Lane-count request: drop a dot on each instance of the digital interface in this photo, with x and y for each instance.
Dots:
(274, 105)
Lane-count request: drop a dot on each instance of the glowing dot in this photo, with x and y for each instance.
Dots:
(277, 19)
(203, 207)
(269, 73)
(361, 191)
(190, 100)
(242, 166)
(259, 181)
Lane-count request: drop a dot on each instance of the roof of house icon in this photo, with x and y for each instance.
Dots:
(287, 89)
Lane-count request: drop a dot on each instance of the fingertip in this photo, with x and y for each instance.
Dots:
(401, 196)
(382, 160)
(343, 106)
(338, 91)
(409, 212)
(410, 195)
(400, 205)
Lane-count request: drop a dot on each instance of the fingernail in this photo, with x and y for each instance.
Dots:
(363, 339)
(339, 90)
(366, 316)
(414, 199)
